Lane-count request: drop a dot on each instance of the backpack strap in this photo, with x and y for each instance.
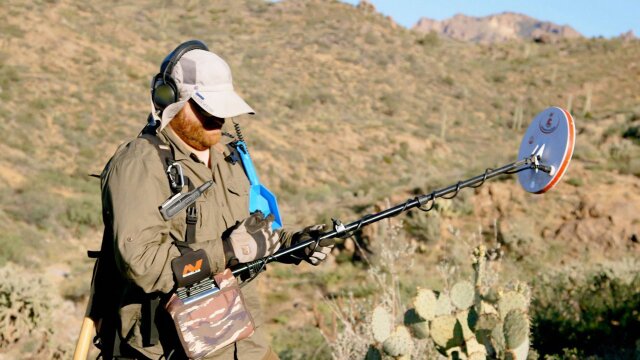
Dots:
(166, 156)
(150, 332)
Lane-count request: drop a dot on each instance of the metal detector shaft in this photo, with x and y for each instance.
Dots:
(418, 201)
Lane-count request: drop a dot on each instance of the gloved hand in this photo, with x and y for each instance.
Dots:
(315, 253)
(250, 239)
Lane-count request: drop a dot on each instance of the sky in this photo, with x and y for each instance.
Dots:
(591, 18)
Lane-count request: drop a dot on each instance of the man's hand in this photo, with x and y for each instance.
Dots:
(250, 239)
(315, 253)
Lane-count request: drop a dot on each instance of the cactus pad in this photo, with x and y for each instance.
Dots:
(497, 339)
(516, 329)
(487, 321)
(463, 322)
(381, 324)
(511, 300)
(477, 356)
(425, 304)
(462, 295)
(419, 327)
(475, 350)
(519, 353)
(399, 343)
(446, 332)
(486, 308)
(443, 305)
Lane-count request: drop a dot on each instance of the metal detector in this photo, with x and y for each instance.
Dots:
(545, 152)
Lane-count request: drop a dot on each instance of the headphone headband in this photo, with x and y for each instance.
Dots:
(172, 59)
(164, 90)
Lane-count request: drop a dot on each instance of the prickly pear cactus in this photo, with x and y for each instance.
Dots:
(471, 320)
(443, 305)
(462, 295)
(381, 324)
(516, 329)
(425, 304)
(399, 343)
(443, 331)
(419, 327)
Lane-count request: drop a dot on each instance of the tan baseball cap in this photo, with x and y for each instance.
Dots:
(205, 78)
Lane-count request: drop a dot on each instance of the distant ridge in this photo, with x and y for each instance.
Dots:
(496, 28)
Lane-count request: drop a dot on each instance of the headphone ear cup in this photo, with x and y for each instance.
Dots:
(164, 94)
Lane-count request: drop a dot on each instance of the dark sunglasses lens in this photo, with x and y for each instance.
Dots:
(202, 111)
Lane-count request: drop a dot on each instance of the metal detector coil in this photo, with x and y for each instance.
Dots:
(551, 138)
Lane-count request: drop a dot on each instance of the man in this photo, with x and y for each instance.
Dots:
(135, 183)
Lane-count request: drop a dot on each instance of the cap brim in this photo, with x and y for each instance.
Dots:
(170, 112)
(223, 104)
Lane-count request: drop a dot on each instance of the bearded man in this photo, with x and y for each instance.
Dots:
(193, 98)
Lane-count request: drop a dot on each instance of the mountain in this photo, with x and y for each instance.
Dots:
(497, 28)
(627, 36)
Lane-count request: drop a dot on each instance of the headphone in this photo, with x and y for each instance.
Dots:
(164, 90)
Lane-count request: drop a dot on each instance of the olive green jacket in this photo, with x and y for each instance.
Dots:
(134, 184)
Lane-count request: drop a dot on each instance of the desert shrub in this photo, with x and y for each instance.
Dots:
(300, 343)
(430, 40)
(26, 306)
(81, 214)
(625, 157)
(516, 234)
(351, 335)
(632, 132)
(424, 226)
(12, 248)
(593, 313)
(31, 206)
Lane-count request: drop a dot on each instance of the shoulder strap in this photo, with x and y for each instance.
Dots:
(168, 158)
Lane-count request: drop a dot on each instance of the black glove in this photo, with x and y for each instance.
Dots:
(314, 254)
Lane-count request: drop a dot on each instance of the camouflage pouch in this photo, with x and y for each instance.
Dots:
(213, 319)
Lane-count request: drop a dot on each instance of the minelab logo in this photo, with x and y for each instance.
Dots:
(549, 125)
(191, 269)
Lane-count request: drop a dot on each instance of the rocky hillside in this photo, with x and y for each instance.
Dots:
(496, 28)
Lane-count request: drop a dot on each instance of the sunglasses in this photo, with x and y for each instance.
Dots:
(201, 111)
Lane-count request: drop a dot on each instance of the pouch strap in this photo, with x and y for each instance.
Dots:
(192, 220)
(148, 327)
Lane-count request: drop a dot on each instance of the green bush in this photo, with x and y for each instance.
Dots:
(633, 132)
(26, 314)
(82, 214)
(12, 248)
(300, 343)
(23, 307)
(595, 313)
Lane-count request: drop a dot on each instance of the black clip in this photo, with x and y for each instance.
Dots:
(192, 215)
(233, 156)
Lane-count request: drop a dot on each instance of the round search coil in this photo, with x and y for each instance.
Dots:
(551, 138)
